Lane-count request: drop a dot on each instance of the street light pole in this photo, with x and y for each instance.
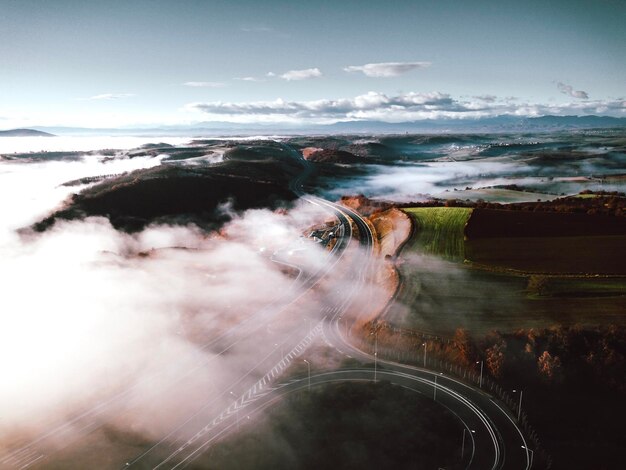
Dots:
(435, 389)
(519, 406)
(309, 368)
(375, 354)
(480, 383)
(424, 344)
(236, 409)
(463, 444)
(532, 456)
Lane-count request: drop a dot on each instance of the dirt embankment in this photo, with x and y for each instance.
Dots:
(365, 206)
(392, 229)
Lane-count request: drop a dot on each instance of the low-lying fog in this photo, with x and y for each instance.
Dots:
(416, 167)
(87, 311)
(85, 143)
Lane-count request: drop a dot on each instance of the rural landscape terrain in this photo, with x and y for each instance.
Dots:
(324, 235)
(305, 288)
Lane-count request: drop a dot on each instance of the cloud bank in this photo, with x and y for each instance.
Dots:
(387, 69)
(248, 79)
(403, 107)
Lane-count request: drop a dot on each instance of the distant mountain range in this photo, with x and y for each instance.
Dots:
(504, 123)
(495, 124)
(24, 133)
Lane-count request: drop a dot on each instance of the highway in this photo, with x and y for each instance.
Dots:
(495, 440)
(499, 442)
(493, 436)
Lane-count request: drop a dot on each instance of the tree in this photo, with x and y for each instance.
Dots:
(463, 344)
(495, 356)
(549, 366)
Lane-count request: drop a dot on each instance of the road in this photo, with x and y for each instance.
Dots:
(500, 443)
(500, 439)
(493, 436)
(481, 434)
(496, 442)
(495, 439)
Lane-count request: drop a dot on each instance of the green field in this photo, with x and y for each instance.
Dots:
(497, 195)
(439, 294)
(439, 230)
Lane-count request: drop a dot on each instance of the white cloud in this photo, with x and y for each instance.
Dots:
(248, 79)
(111, 96)
(301, 74)
(363, 106)
(399, 108)
(569, 90)
(205, 84)
(387, 69)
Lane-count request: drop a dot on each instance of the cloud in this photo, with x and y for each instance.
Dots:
(387, 69)
(111, 96)
(568, 90)
(370, 105)
(403, 107)
(205, 84)
(248, 79)
(301, 74)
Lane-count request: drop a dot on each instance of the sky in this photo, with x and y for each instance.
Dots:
(142, 63)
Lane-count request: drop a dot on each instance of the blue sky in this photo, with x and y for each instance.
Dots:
(119, 63)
